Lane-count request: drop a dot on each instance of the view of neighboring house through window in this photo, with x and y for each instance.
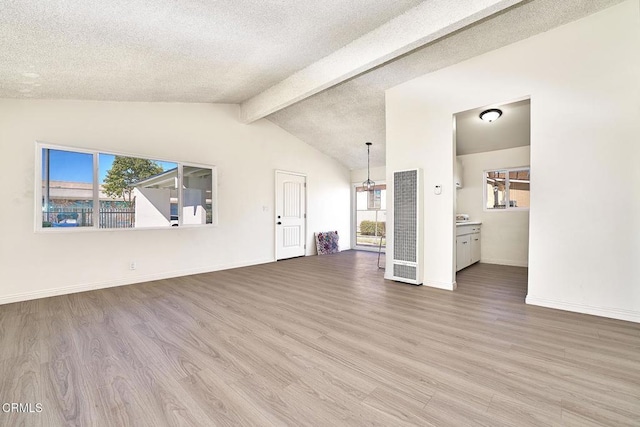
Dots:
(130, 192)
(371, 216)
(507, 189)
(125, 201)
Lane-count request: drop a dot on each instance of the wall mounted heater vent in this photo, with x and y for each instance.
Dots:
(407, 192)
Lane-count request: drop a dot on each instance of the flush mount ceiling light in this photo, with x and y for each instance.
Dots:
(368, 184)
(490, 115)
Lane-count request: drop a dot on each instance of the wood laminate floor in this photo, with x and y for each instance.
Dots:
(322, 341)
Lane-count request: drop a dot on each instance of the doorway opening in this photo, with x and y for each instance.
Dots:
(492, 176)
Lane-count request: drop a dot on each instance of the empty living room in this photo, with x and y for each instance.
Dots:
(408, 213)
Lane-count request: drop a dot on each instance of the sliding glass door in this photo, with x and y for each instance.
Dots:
(369, 217)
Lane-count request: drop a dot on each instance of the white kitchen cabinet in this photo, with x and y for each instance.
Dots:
(463, 252)
(467, 245)
(475, 247)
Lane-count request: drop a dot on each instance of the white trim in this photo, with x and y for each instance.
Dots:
(52, 230)
(613, 313)
(180, 176)
(214, 198)
(518, 209)
(291, 173)
(96, 190)
(65, 290)
(354, 216)
(447, 286)
(509, 262)
(38, 216)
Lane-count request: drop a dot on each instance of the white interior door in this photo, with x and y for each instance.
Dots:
(291, 214)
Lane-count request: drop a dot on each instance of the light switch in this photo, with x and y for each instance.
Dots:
(437, 190)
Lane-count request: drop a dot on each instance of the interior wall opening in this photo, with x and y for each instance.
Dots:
(492, 176)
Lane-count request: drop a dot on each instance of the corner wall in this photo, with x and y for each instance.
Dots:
(582, 79)
(34, 265)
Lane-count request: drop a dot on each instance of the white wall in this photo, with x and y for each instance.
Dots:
(505, 234)
(359, 176)
(39, 264)
(585, 120)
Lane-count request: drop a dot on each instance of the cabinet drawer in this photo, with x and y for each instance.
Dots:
(462, 230)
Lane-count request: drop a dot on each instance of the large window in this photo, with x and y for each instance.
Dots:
(507, 189)
(90, 189)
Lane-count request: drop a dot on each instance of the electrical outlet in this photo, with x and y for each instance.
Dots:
(133, 265)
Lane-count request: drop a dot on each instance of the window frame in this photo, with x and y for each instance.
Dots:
(507, 208)
(38, 208)
(354, 217)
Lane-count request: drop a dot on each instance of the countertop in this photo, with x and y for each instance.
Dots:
(468, 223)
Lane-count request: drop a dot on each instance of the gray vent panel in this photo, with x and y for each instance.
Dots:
(404, 271)
(405, 204)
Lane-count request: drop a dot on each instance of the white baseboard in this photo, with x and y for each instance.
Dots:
(612, 313)
(511, 262)
(44, 293)
(448, 286)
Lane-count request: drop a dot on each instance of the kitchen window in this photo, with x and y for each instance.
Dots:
(507, 189)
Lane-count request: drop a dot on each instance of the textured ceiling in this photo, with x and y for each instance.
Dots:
(512, 129)
(230, 50)
(166, 50)
(339, 120)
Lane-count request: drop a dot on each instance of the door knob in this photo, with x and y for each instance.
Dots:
(279, 223)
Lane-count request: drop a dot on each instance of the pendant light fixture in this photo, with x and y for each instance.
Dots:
(368, 184)
(490, 115)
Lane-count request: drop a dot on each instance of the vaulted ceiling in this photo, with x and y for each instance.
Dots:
(317, 69)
